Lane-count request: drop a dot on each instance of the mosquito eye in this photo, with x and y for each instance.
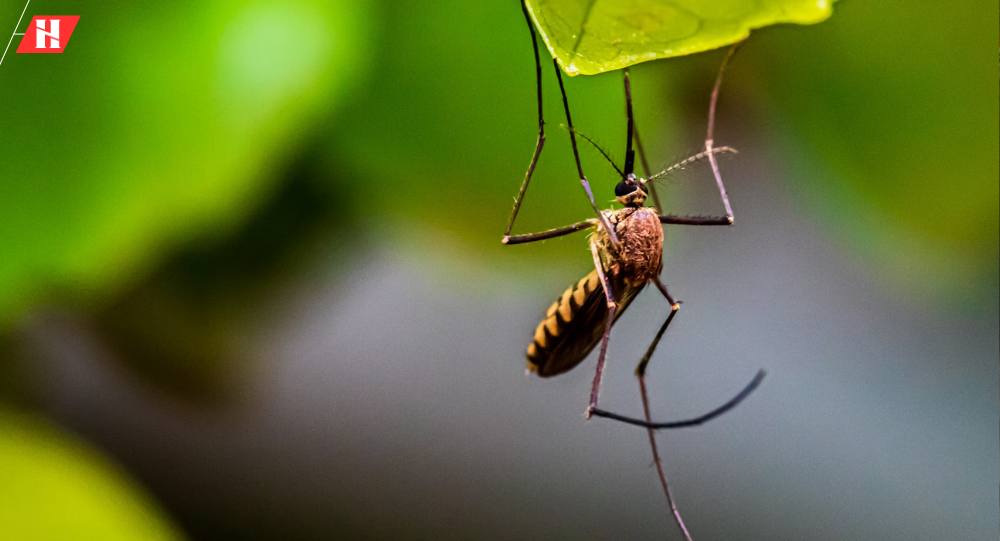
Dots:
(624, 188)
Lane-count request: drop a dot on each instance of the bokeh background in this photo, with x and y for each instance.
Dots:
(251, 284)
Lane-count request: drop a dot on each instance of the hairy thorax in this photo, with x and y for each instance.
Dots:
(639, 257)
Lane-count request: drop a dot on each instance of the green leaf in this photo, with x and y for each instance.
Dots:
(588, 37)
(56, 488)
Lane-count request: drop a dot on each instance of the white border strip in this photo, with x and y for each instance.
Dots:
(11, 40)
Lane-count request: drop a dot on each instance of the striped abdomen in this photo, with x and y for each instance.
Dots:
(573, 324)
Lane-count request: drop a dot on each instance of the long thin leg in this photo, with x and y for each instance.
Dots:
(640, 369)
(540, 140)
(646, 170)
(640, 372)
(579, 166)
(695, 220)
(609, 295)
(549, 233)
(630, 122)
(694, 421)
(711, 151)
(710, 132)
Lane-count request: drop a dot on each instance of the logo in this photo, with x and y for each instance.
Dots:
(48, 34)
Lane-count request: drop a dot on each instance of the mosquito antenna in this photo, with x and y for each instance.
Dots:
(629, 153)
(692, 159)
(599, 148)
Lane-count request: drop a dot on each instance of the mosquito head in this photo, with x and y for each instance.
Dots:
(630, 191)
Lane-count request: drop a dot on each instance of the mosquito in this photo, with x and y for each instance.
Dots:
(626, 246)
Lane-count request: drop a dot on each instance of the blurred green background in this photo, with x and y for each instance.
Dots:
(251, 284)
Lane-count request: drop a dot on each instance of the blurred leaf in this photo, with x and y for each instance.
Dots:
(185, 327)
(162, 122)
(55, 488)
(594, 36)
(893, 140)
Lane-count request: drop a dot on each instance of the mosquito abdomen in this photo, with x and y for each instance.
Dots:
(561, 314)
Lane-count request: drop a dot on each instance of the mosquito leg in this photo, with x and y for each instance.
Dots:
(695, 220)
(646, 170)
(609, 295)
(710, 151)
(640, 372)
(549, 233)
(710, 133)
(540, 140)
(579, 165)
(694, 421)
(630, 122)
(675, 306)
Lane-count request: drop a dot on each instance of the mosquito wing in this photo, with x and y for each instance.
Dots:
(574, 323)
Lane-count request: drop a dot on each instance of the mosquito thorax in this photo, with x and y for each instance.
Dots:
(630, 192)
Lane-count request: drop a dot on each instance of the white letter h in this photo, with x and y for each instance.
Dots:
(52, 34)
